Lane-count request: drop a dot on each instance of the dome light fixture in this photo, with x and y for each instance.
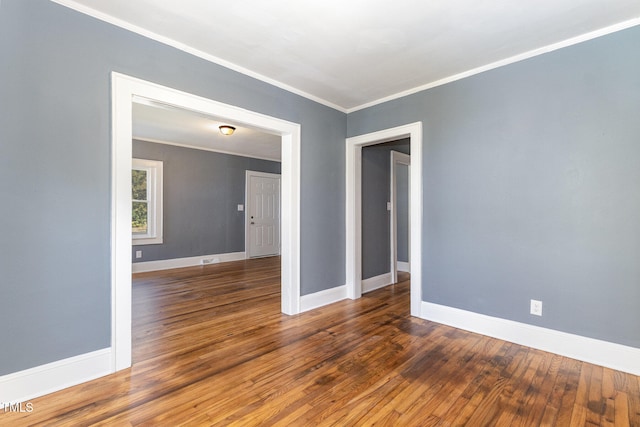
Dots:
(226, 129)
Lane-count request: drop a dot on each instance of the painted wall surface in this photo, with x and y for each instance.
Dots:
(531, 176)
(376, 192)
(55, 177)
(202, 190)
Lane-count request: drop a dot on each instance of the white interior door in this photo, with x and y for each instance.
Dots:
(263, 214)
(398, 160)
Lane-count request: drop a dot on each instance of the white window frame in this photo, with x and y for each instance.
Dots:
(154, 202)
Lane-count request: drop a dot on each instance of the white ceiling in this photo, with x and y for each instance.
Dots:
(175, 126)
(353, 53)
(347, 54)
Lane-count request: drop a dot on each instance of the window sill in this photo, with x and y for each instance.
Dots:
(146, 241)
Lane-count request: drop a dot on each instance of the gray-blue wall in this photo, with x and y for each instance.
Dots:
(530, 176)
(55, 160)
(376, 192)
(202, 190)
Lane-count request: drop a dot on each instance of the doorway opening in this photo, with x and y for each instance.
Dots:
(382, 194)
(124, 90)
(354, 147)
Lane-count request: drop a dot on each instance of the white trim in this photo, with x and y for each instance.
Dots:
(178, 45)
(191, 50)
(376, 282)
(44, 379)
(71, 4)
(603, 353)
(248, 208)
(322, 298)
(124, 88)
(353, 218)
(167, 264)
(403, 159)
(211, 58)
(503, 62)
(212, 150)
(404, 266)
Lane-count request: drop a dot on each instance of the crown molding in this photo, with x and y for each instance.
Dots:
(212, 150)
(511, 60)
(72, 4)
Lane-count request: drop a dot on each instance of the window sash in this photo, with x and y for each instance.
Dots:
(153, 234)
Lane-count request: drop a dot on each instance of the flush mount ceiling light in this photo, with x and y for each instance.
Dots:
(226, 129)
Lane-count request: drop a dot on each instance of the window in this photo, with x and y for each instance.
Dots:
(146, 196)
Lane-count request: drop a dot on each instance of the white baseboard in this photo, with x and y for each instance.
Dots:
(376, 282)
(404, 266)
(166, 264)
(34, 382)
(602, 353)
(326, 297)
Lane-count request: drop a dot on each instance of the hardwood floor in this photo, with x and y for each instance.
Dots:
(211, 348)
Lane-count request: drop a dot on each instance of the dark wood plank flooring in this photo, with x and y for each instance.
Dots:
(211, 348)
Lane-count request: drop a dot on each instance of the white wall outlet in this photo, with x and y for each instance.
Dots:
(138, 254)
(240, 208)
(536, 307)
(388, 206)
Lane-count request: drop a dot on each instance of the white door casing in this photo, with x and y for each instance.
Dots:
(353, 218)
(397, 158)
(123, 91)
(262, 216)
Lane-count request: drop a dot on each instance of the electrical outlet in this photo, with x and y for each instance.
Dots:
(536, 307)
(138, 254)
